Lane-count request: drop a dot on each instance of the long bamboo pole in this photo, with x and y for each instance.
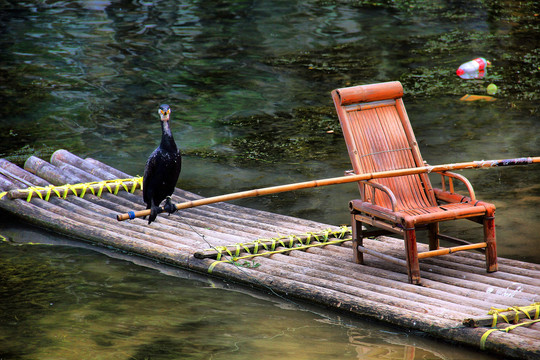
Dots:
(337, 180)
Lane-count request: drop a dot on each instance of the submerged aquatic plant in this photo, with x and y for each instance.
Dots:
(306, 133)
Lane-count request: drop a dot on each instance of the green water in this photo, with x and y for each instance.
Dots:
(249, 84)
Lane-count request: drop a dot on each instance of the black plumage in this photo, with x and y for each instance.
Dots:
(162, 169)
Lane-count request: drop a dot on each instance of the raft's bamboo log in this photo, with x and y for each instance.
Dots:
(316, 259)
(24, 177)
(530, 278)
(487, 320)
(531, 331)
(386, 257)
(465, 262)
(74, 172)
(338, 180)
(398, 297)
(474, 259)
(65, 156)
(5, 184)
(363, 291)
(85, 213)
(65, 225)
(448, 284)
(496, 279)
(54, 176)
(45, 171)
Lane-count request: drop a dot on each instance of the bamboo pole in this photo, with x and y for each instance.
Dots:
(336, 181)
(446, 251)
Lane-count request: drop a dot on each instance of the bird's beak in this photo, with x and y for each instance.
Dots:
(164, 114)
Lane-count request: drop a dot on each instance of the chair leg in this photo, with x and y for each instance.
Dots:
(490, 239)
(357, 237)
(411, 251)
(433, 236)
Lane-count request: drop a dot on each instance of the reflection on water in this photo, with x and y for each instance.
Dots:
(249, 83)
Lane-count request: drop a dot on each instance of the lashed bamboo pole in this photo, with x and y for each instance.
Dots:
(63, 191)
(338, 180)
(262, 244)
(511, 315)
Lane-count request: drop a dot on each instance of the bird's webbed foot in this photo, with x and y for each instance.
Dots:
(169, 206)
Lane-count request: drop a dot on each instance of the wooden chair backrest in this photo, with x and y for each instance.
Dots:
(379, 137)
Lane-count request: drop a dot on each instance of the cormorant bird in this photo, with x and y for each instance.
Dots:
(162, 169)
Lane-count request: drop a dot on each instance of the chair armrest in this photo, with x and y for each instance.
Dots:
(384, 189)
(463, 179)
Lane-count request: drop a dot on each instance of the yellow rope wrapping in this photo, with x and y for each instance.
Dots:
(340, 234)
(497, 312)
(80, 189)
(278, 240)
(32, 190)
(63, 190)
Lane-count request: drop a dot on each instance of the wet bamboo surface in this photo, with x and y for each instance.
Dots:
(454, 287)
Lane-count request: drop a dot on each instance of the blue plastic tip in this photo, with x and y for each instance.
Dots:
(131, 215)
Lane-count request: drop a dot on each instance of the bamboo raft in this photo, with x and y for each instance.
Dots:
(452, 303)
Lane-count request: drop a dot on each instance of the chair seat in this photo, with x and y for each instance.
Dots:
(424, 215)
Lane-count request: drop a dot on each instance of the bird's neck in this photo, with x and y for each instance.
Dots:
(167, 140)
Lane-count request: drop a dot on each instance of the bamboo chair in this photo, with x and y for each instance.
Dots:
(379, 137)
